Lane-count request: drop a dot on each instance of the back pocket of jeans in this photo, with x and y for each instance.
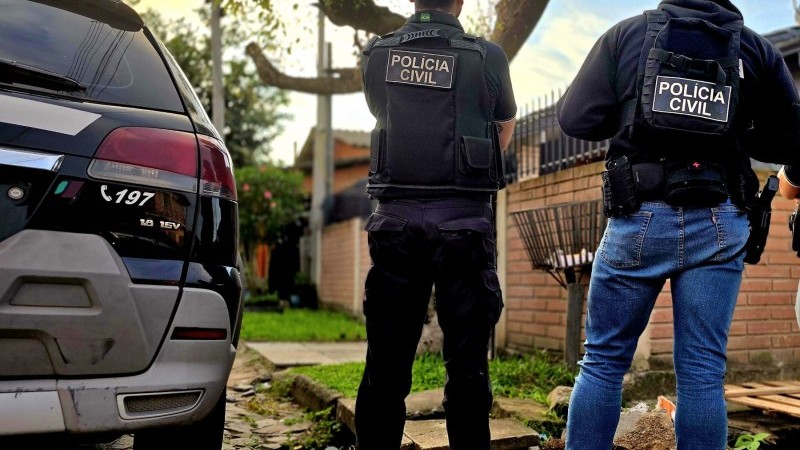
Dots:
(623, 240)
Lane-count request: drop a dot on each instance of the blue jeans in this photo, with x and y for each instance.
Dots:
(701, 251)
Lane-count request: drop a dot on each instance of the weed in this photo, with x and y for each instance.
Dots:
(750, 442)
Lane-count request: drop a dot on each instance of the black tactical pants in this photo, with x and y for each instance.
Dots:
(415, 244)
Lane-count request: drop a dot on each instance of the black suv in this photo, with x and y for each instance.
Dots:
(120, 298)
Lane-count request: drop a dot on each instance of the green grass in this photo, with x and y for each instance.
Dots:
(532, 376)
(301, 325)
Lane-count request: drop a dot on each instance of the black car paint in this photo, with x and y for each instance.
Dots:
(204, 246)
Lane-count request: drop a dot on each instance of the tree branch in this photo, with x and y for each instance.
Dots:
(362, 15)
(345, 81)
(516, 20)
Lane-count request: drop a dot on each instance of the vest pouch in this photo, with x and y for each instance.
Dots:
(695, 185)
(475, 162)
(690, 78)
(377, 149)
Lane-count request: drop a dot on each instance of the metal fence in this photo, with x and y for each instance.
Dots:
(540, 147)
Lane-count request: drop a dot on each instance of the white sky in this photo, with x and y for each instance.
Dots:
(548, 61)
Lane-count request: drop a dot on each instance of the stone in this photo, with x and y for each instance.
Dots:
(238, 427)
(507, 434)
(346, 413)
(425, 405)
(249, 393)
(529, 412)
(653, 430)
(558, 400)
(242, 387)
(312, 395)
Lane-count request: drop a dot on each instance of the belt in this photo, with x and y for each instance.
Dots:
(654, 179)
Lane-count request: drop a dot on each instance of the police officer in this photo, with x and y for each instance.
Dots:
(686, 94)
(445, 109)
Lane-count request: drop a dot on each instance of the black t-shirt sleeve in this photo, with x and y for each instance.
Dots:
(498, 77)
(588, 110)
(775, 134)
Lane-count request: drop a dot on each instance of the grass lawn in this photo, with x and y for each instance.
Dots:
(531, 376)
(301, 325)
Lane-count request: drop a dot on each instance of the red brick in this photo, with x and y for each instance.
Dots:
(791, 340)
(660, 331)
(533, 329)
(748, 342)
(520, 316)
(738, 357)
(534, 304)
(769, 299)
(661, 346)
(768, 327)
(661, 316)
(520, 339)
(557, 306)
(750, 313)
(785, 313)
(783, 257)
(763, 271)
(750, 285)
(520, 291)
(738, 329)
(547, 318)
(557, 332)
(788, 285)
(514, 327)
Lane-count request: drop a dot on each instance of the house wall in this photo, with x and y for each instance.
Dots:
(345, 262)
(764, 326)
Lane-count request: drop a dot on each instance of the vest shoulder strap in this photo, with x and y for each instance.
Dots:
(656, 20)
(461, 41)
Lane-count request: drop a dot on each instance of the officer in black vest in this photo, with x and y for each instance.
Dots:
(444, 109)
(687, 95)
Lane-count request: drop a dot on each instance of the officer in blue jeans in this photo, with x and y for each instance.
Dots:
(444, 109)
(687, 95)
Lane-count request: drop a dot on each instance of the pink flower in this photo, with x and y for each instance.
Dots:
(246, 187)
(267, 195)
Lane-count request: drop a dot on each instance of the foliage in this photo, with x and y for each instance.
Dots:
(257, 299)
(252, 109)
(532, 376)
(300, 325)
(750, 442)
(323, 430)
(270, 198)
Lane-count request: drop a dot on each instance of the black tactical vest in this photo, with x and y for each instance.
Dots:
(435, 133)
(688, 81)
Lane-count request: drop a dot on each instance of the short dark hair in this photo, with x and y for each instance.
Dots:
(434, 4)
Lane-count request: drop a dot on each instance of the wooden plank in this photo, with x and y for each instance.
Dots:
(778, 399)
(767, 405)
(737, 391)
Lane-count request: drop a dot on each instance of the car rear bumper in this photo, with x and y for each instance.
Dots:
(181, 386)
(56, 378)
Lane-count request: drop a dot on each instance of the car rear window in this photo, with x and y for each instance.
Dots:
(92, 43)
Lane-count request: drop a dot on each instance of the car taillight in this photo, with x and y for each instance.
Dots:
(216, 169)
(148, 156)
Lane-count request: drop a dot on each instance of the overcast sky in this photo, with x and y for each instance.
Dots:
(548, 61)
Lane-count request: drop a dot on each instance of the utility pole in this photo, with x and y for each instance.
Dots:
(323, 158)
(217, 93)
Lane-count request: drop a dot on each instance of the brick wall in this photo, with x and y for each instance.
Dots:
(764, 326)
(345, 262)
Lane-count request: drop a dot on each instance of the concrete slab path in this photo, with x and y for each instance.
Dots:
(291, 354)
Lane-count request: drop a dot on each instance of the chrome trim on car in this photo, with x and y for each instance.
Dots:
(30, 160)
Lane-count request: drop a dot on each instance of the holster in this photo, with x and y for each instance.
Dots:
(760, 215)
(619, 190)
